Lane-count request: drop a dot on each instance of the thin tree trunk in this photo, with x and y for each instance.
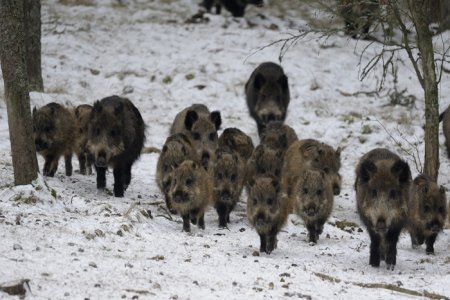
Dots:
(32, 21)
(12, 56)
(420, 12)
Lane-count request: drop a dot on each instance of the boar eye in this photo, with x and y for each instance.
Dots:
(374, 193)
(255, 201)
(441, 210)
(47, 128)
(233, 177)
(270, 201)
(212, 136)
(326, 170)
(189, 181)
(392, 194)
(319, 193)
(196, 136)
(305, 191)
(165, 167)
(426, 209)
(113, 133)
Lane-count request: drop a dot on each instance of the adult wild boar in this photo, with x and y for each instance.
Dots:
(116, 135)
(267, 93)
(382, 191)
(235, 7)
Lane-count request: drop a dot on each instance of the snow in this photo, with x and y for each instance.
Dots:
(79, 243)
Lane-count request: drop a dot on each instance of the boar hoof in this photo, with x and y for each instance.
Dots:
(312, 243)
(430, 252)
(390, 267)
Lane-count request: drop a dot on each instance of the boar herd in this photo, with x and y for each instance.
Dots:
(198, 169)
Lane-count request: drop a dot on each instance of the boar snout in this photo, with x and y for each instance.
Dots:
(336, 189)
(311, 211)
(101, 160)
(40, 145)
(260, 219)
(205, 159)
(226, 196)
(381, 225)
(180, 197)
(434, 226)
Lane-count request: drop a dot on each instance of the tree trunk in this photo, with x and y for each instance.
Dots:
(32, 21)
(420, 12)
(12, 57)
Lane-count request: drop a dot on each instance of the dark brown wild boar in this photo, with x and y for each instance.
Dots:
(236, 141)
(426, 212)
(177, 148)
(235, 7)
(267, 211)
(82, 115)
(278, 135)
(267, 93)
(228, 183)
(54, 134)
(191, 192)
(312, 200)
(116, 135)
(201, 126)
(382, 191)
(311, 154)
(264, 161)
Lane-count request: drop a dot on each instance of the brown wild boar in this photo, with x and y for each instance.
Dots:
(264, 161)
(201, 125)
(426, 212)
(267, 211)
(311, 154)
(359, 15)
(54, 133)
(82, 116)
(177, 148)
(116, 135)
(191, 192)
(382, 191)
(236, 141)
(228, 183)
(278, 135)
(312, 200)
(444, 117)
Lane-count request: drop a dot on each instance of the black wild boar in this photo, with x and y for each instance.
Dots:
(264, 161)
(278, 135)
(267, 93)
(54, 133)
(358, 15)
(426, 212)
(267, 210)
(312, 200)
(235, 7)
(82, 115)
(445, 119)
(311, 154)
(228, 183)
(116, 135)
(382, 191)
(177, 148)
(201, 126)
(191, 192)
(236, 141)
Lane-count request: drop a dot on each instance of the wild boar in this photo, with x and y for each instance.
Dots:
(235, 7)
(236, 141)
(278, 135)
(85, 159)
(358, 15)
(382, 191)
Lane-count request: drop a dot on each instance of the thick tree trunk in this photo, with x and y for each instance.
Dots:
(32, 21)
(420, 12)
(12, 57)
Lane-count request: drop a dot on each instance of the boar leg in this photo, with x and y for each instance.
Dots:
(127, 174)
(68, 164)
(430, 243)
(391, 253)
(417, 239)
(46, 170)
(201, 221)
(101, 177)
(312, 233)
(82, 163)
(271, 241)
(118, 181)
(89, 163)
(193, 214)
(262, 237)
(186, 224)
(374, 259)
(53, 166)
(222, 212)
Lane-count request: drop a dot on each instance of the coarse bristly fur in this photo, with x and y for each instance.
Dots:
(382, 191)
(116, 136)
(264, 161)
(427, 212)
(201, 126)
(236, 141)
(313, 201)
(54, 133)
(82, 115)
(177, 148)
(191, 193)
(278, 135)
(267, 210)
(311, 154)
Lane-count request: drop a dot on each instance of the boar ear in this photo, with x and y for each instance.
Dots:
(366, 170)
(97, 106)
(251, 182)
(34, 110)
(283, 82)
(421, 182)
(164, 149)
(401, 169)
(77, 112)
(282, 139)
(191, 117)
(216, 119)
(442, 190)
(259, 81)
(338, 152)
(119, 109)
(276, 184)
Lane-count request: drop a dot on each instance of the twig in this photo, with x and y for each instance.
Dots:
(355, 94)
(132, 206)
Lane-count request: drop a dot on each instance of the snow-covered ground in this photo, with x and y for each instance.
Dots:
(73, 242)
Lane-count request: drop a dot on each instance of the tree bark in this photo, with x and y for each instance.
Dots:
(12, 57)
(32, 21)
(420, 13)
